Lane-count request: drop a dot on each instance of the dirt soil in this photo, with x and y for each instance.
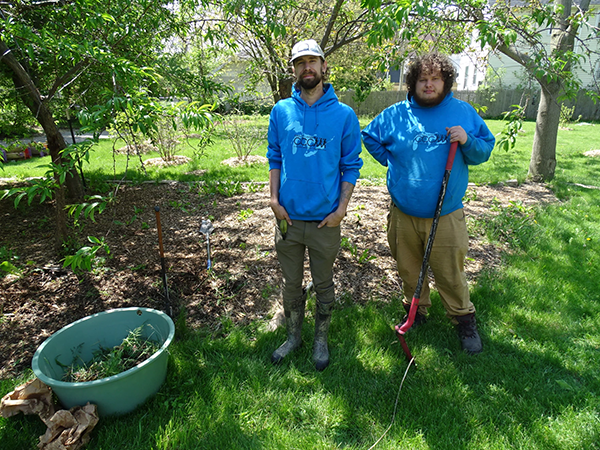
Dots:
(244, 284)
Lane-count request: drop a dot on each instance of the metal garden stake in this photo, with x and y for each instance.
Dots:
(168, 308)
(206, 228)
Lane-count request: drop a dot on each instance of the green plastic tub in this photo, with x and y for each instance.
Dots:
(113, 395)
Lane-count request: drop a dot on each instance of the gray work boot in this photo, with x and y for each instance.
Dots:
(419, 318)
(322, 321)
(469, 337)
(294, 316)
(320, 350)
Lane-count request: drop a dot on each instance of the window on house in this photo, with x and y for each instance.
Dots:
(466, 77)
(395, 75)
(474, 76)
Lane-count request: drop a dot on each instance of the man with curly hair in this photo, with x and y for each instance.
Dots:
(412, 139)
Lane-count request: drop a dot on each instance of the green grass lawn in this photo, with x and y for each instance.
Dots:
(502, 165)
(535, 386)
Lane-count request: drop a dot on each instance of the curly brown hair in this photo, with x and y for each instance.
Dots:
(429, 63)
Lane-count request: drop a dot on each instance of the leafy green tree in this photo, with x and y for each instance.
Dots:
(190, 63)
(101, 56)
(264, 31)
(15, 118)
(517, 31)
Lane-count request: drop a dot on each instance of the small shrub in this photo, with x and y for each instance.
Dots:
(7, 258)
(87, 257)
(514, 124)
(366, 257)
(245, 214)
(347, 244)
(566, 116)
(244, 137)
(514, 225)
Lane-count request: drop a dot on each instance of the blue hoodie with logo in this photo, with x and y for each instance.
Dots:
(412, 141)
(316, 148)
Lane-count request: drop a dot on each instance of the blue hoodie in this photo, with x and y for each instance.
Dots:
(412, 142)
(316, 148)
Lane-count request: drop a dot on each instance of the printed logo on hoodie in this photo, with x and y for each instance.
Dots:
(431, 141)
(309, 144)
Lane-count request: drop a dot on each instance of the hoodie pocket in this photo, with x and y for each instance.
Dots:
(305, 199)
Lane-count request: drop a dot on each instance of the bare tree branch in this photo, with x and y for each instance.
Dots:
(332, 18)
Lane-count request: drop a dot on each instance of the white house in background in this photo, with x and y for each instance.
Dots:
(471, 66)
(474, 65)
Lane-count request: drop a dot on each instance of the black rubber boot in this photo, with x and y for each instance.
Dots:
(469, 336)
(294, 316)
(419, 318)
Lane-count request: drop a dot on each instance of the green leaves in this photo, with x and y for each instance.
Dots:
(194, 115)
(416, 27)
(96, 203)
(7, 257)
(84, 258)
(44, 188)
(508, 136)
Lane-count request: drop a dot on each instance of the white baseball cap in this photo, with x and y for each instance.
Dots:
(309, 47)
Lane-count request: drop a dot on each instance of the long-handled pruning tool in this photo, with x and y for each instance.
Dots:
(168, 308)
(402, 329)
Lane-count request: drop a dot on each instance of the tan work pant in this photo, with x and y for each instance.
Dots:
(407, 237)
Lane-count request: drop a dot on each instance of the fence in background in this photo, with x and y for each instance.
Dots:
(503, 100)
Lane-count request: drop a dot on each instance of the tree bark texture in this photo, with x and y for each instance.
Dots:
(542, 165)
(285, 88)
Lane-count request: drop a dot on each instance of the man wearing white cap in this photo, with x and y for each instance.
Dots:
(314, 162)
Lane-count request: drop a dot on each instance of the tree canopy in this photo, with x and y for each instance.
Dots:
(517, 31)
(106, 58)
(264, 31)
(85, 54)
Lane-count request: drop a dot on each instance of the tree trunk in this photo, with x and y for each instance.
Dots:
(285, 87)
(56, 143)
(61, 232)
(542, 166)
(543, 155)
(33, 100)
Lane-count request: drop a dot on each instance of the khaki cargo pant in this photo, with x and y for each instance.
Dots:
(407, 237)
(323, 245)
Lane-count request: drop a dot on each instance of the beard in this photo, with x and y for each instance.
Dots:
(309, 84)
(429, 101)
